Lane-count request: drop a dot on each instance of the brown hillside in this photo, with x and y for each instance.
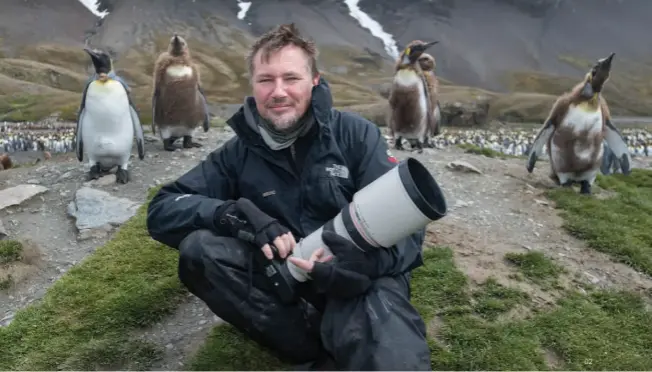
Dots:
(44, 66)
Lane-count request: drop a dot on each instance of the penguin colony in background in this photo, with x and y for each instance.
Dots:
(578, 125)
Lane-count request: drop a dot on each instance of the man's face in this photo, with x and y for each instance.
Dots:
(283, 86)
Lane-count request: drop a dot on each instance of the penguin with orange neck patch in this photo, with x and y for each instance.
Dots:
(575, 129)
(178, 101)
(107, 121)
(409, 100)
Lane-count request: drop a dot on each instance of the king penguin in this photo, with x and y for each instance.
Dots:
(408, 101)
(577, 125)
(107, 121)
(428, 64)
(178, 101)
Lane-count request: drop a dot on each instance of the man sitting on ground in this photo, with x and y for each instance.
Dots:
(294, 164)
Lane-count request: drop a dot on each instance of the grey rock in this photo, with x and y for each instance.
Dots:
(93, 209)
(463, 166)
(18, 194)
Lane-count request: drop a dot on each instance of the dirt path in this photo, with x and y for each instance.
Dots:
(44, 220)
(499, 211)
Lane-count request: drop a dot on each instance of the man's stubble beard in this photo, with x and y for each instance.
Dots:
(283, 123)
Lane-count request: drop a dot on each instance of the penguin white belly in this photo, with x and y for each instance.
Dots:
(581, 122)
(178, 71)
(411, 79)
(107, 128)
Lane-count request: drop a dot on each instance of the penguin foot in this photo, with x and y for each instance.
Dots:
(95, 172)
(398, 143)
(121, 176)
(419, 147)
(188, 142)
(168, 144)
(585, 188)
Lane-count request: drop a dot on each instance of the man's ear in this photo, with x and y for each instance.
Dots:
(315, 80)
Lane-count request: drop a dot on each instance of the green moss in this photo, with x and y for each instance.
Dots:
(10, 251)
(536, 267)
(128, 283)
(618, 225)
(494, 299)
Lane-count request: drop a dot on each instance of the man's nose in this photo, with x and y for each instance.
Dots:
(279, 88)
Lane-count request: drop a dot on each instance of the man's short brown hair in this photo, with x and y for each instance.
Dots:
(276, 39)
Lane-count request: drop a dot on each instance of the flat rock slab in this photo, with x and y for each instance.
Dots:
(95, 209)
(18, 194)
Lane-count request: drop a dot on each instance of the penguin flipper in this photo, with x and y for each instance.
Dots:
(135, 121)
(138, 130)
(154, 98)
(79, 144)
(437, 116)
(537, 146)
(618, 146)
(607, 158)
(207, 122)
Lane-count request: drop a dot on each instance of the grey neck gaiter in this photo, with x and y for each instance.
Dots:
(274, 138)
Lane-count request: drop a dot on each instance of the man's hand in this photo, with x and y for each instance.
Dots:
(309, 264)
(284, 244)
(247, 222)
(346, 277)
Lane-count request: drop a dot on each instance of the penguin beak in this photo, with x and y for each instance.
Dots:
(605, 63)
(91, 53)
(418, 49)
(95, 58)
(176, 42)
(428, 45)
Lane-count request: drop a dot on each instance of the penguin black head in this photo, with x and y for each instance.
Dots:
(101, 61)
(178, 45)
(414, 50)
(597, 77)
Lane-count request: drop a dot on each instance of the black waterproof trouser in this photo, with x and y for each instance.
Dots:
(379, 330)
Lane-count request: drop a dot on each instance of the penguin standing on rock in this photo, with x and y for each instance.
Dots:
(178, 101)
(409, 100)
(428, 64)
(107, 121)
(575, 129)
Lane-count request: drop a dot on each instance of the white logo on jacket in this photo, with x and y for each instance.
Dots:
(337, 170)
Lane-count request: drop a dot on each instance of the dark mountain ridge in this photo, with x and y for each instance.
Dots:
(508, 57)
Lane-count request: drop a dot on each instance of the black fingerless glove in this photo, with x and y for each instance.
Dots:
(243, 220)
(348, 274)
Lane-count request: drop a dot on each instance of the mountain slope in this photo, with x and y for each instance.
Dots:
(518, 53)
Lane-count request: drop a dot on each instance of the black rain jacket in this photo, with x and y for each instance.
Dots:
(346, 153)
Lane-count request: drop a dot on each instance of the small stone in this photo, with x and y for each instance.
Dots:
(463, 166)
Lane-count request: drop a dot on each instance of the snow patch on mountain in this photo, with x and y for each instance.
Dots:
(92, 6)
(374, 27)
(244, 8)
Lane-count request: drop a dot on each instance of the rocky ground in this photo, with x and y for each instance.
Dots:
(495, 207)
